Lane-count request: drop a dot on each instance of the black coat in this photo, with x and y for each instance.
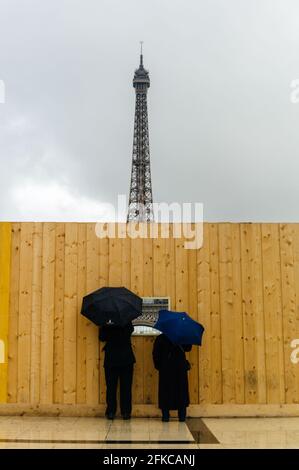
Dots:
(170, 361)
(118, 348)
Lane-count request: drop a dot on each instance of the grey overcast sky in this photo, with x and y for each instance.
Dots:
(223, 128)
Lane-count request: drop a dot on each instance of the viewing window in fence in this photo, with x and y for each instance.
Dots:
(143, 325)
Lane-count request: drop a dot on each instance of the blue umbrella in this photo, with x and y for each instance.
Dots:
(179, 327)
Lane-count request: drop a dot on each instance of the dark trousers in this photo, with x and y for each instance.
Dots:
(181, 413)
(125, 376)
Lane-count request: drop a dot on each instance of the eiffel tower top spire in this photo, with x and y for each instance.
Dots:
(141, 56)
(141, 199)
(141, 76)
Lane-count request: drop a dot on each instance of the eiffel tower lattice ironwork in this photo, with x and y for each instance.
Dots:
(141, 198)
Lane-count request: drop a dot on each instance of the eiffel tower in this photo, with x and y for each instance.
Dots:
(141, 199)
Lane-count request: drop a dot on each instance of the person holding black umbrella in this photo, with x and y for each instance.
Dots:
(170, 360)
(113, 309)
(118, 364)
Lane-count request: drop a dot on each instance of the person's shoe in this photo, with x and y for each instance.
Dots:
(182, 414)
(126, 416)
(110, 415)
(165, 416)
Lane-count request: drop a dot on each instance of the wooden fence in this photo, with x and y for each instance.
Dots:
(242, 285)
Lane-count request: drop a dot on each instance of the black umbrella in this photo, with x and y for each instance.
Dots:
(111, 306)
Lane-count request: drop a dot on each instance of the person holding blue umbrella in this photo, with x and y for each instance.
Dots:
(179, 332)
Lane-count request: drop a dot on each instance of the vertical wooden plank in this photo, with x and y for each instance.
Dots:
(25, 303)
(125, 258)
(115, 258)
(237, 314)
(92, 346)
(181, 279)
(227, 313)
(289, 308)
(36, 312)
(216, 366)
(5, 260)
(231, 313)
(273, 314)
(47, 314)
(114, 279)
(192, 310)
(138, 342)
(58, 347)
(247, 303)
(170, 268)
(296, 319)
(204, 317)
(253, 316)
(104, 257)
(14, 314)
(70, 313)
(258, 308)
(159, 264)
(126, 262)
(186, 300)
(149, 286)
(250, 353)
(81, 321)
